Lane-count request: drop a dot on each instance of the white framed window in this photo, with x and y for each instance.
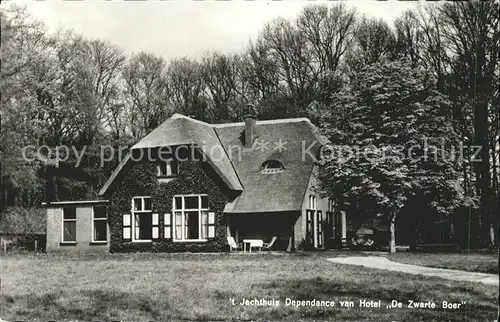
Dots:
(167, 169)
(142, 218)
(99, 224)
(312, 202)
(192, 220)
(69, 225)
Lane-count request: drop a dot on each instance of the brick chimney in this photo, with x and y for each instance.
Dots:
(250, 126)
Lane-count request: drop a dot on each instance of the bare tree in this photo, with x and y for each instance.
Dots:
(259, 71)
(329, 31)
(187, 89)
(435, 55)
(473, 33)
(373, 42)
(97, 91)
(409, 36)
(225, 89)
(289, 50)
(147, 92)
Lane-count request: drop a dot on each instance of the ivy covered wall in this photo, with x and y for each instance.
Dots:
(138, 178)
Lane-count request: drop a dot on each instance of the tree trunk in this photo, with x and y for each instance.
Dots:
(498, 248)
(492, 236)
(392, 230)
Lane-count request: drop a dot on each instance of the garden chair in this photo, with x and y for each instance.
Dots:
(232, 244)
(268, 246)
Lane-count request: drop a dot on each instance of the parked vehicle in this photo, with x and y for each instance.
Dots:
(363, 238)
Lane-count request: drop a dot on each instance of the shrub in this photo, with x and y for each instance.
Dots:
(18, 220)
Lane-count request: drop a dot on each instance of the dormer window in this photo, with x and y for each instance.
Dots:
(167, 169)
(272, 166)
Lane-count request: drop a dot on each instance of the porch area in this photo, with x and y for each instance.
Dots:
(263, 226)
(315, 230)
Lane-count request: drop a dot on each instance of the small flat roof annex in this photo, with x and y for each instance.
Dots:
(74, 203)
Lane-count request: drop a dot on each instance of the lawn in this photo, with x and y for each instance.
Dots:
(201, 286)
(473, 262)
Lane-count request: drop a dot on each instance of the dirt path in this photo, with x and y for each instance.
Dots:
(380, 262)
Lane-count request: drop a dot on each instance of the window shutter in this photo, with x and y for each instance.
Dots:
(168, 165)
(175, 168)
(211, 225)
(167, 222)
(127, 227)
(155, 226)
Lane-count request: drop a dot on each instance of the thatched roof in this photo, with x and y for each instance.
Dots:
(182, 130)
(179, 130)
(271, 192)
(240, 168)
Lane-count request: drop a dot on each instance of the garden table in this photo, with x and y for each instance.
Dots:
(259, 243)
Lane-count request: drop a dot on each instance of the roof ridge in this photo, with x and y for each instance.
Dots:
(182, 116)
(230, 161)
(264, 122)
(321, 138)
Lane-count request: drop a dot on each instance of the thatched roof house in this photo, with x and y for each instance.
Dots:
(250, 180)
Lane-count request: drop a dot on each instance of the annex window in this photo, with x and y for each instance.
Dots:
(99, 224)
(191, 219)
(69, 225)
(167, 169)
(272, 166)
(142, 223)
(312, 202)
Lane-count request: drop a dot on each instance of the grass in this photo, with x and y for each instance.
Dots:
(474, 262)
(199, 287)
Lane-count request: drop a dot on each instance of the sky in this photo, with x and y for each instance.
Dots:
(174, 29)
